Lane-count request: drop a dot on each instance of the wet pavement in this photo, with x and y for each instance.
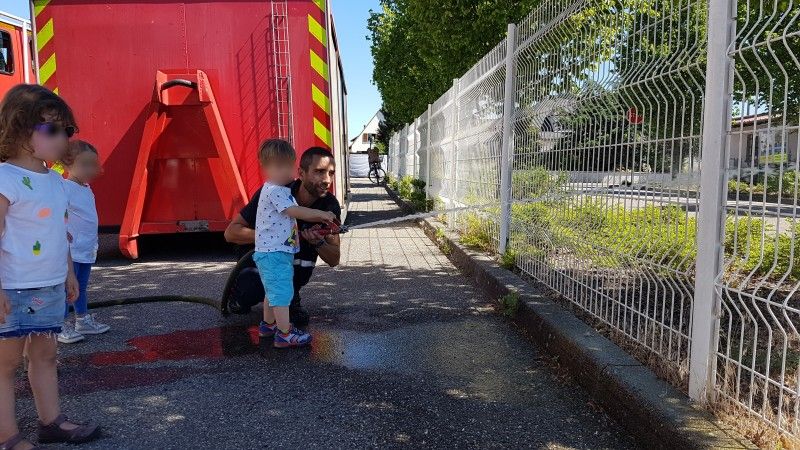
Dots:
(406, 353)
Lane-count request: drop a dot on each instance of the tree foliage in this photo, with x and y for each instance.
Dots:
(386, 127)
(608, 61)
(420, 46)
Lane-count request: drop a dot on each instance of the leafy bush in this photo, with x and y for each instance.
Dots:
(738, 186)
(411, 190)
(509, 304)
(474, 233)
(405, 187)
(391, 181)
(773, 185)
(755, 247)
(536, 182)
(441, 239)
(508, 260)
(663, 235)
(606, 235)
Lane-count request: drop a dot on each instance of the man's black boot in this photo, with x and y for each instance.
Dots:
(298, 315)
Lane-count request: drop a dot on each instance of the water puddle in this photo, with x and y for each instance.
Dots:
(471, 351)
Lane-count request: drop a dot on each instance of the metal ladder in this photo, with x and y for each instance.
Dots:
(283, 75)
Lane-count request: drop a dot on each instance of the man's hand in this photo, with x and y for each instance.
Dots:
(72, 288)
(5, 307)
(311, 236)
(325, 216)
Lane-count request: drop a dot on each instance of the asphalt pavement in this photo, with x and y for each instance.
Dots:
(406, 354)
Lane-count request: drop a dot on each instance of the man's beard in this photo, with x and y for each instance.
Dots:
(314, 191)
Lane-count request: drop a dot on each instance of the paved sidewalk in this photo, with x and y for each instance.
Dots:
(406, 353)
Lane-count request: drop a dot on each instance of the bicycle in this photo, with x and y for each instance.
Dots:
(376, 173)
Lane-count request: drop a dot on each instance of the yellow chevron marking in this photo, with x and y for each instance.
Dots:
(322, 132)
(45, 35)
(317, 30)
(39, 5)
(320, 99)
(47, 69)
(319, 65)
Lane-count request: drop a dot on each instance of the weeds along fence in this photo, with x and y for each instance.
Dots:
(662, 136)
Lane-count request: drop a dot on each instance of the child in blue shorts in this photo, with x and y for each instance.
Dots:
(277, 241)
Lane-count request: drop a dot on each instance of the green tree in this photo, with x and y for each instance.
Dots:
(386, 128)
(419, 46)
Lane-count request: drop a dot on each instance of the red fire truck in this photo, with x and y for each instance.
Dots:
(178, 94)
(16, 42)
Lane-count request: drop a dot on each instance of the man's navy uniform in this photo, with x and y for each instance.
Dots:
(244, 289)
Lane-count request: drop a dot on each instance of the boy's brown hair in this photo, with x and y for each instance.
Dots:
(273, 150)
(24, 107)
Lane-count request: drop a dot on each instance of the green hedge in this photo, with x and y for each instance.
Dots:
(411, 190)
(773, 185)
(609, 236)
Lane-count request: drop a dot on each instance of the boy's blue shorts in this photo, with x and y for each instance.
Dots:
(277, 271)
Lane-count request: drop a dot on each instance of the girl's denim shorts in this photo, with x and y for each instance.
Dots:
(34, 311)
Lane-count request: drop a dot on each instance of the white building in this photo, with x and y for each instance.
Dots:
(360, 143)
(359, 164)
(760, 140)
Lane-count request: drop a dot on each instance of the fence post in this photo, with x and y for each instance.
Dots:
(403, 151)
(411, 147)
(454, 143)
(507, 141)
(428, 155)
(408, 149)
(417, 146)
(713, 195)
(393, 154)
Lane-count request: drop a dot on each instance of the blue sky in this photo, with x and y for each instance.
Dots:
(351, 26)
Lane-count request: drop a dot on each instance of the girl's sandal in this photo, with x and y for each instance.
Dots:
(53, 432)
(15, 440)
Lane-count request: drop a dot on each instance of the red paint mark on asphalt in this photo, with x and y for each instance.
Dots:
(212, 343)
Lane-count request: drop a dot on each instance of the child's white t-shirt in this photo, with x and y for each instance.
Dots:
(83, 222)
(275, 231)
(34, 247)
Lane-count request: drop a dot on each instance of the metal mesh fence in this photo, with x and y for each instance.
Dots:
(759, 346)
(606, 129)
(609, 111)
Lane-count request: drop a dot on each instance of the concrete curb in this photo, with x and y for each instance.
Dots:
(653, 411)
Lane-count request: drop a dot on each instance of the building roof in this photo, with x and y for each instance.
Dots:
(364, 128)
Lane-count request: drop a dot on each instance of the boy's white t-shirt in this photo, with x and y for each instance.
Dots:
(275, 231)
(34, 247)
(83, 222)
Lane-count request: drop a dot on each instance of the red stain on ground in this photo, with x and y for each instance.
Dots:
(213, 343)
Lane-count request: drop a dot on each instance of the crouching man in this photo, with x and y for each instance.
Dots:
(244, 289)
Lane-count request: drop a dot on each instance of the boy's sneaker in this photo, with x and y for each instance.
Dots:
(68, 334)
(88, 325)
(267, 331)
(294, 338)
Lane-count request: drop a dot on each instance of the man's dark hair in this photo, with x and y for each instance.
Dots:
(311, 153)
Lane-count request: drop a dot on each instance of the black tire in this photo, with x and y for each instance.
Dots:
(377, 176)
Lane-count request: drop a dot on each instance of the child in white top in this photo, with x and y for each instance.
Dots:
(277, 242)
(36, 273)
(83, 166)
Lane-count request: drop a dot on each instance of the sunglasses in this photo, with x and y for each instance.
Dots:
(52, 129)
